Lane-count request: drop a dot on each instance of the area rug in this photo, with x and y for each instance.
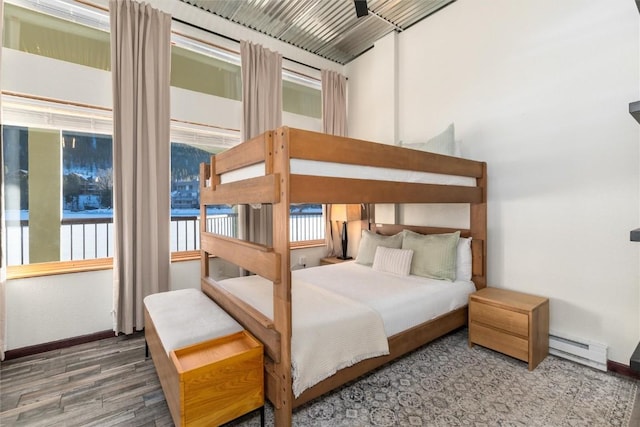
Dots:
(446, 383)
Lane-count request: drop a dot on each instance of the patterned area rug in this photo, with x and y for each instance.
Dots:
(446, 383)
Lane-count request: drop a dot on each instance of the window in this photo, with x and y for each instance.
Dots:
(15, 153)
(301, 95)
(307, 224)
(87, 196)
(80, 42)
(57, 148)
(185, 200)
(58, 195)
(205, 69)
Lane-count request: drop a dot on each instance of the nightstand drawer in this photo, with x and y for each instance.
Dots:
(508, 344)
(507, 320)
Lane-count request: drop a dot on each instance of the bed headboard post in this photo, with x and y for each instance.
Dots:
(205, 175)
(478, 223)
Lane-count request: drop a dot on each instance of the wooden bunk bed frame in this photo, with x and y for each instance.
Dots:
(279, 188)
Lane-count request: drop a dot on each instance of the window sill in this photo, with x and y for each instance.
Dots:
(307, 244)
(185, 256)
(79, 266)
(58, 267)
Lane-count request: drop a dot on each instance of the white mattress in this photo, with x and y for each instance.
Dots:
(340, 170)
(403, 302)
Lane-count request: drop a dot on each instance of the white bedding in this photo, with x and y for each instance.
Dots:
(330, 332)
(358, 309)
(402, 301)
(317, 168)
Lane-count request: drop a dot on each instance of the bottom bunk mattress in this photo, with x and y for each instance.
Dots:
(344, 313)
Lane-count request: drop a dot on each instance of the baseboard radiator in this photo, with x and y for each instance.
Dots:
(579, 350)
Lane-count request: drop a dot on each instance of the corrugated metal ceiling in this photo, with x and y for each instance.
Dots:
(328, 28)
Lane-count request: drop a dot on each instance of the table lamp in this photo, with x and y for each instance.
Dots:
(344, 214)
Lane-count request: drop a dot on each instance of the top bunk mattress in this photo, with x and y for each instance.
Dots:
(342, 170)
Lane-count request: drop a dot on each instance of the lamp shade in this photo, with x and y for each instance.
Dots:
(345, 213)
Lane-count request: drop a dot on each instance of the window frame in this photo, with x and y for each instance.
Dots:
(85, 16)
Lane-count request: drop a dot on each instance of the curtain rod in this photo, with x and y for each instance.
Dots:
(236, 40)
(206, 30)
(101, 108)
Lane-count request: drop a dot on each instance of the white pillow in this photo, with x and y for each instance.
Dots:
(443, 143)
(464, 259)
(457, 148)
(396, 261)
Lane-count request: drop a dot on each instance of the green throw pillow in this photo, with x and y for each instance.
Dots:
(370, 241)
(434, 255)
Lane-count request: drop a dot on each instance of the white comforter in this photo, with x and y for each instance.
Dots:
(343, 313)
(402, 301)
(330, 331)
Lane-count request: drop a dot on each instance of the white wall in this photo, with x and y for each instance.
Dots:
(46, 309)
(41, 310)
(372, 93)
(540, 90)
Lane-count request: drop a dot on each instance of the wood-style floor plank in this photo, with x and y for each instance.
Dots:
(106, 382)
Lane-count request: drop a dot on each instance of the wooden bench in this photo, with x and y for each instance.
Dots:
(210, 368)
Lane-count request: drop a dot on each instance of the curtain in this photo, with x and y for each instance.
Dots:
(3, 233)
(334, 122)
(261, 111)
(140, 63)
(334, 103)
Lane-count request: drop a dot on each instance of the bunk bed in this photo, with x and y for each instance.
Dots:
(287, 166)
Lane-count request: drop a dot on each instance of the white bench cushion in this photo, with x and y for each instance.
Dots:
(187, 317)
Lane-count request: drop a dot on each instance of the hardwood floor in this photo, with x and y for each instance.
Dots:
(101, 383)
(106, 382)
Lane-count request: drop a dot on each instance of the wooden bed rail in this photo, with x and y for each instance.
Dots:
(263, 189)
(258, 324)
(308, 145)
(254, 151)
(345, 190)
(252, 257)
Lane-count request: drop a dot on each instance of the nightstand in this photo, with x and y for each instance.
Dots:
(510, 322)
(333, 260)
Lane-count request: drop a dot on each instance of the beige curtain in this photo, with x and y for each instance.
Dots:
(334, 122)
(334, 103)
(261, 111)
(3, 253)
(140, 63)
